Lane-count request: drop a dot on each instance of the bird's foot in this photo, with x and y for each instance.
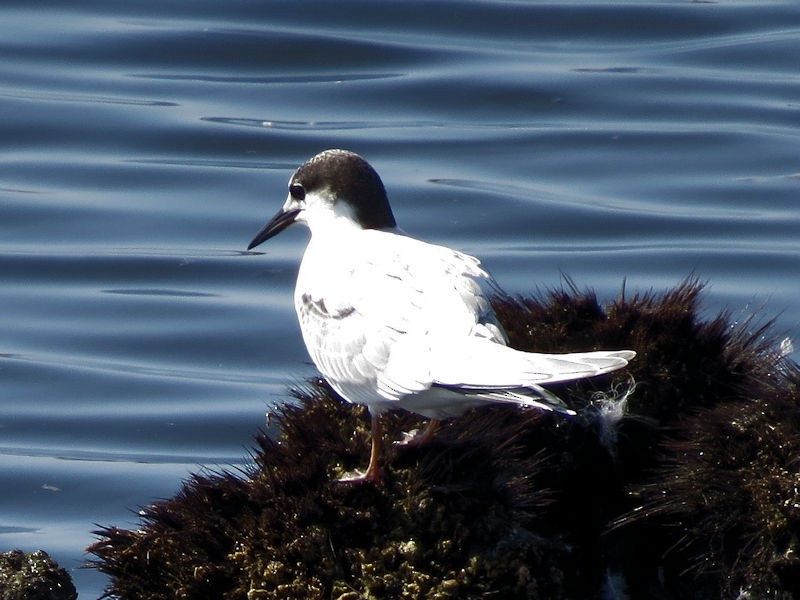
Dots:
(410, 438)
(374, 472)
(372, 476)
(416, 438)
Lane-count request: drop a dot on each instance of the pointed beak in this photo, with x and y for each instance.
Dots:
(278, 223)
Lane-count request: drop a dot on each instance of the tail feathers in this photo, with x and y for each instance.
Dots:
(484, 365)
(566, 367)
(488, 372)
(534, 396)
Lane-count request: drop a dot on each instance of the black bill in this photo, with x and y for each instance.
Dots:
(278, 223)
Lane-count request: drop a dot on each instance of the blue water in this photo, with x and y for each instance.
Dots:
(142, 144)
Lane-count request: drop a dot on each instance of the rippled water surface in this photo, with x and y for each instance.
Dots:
(142, 144)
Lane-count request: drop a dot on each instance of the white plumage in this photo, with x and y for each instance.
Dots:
(394, 322)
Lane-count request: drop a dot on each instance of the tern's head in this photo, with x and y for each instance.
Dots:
(334, 187)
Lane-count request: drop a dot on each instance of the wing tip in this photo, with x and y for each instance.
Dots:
(626, 355)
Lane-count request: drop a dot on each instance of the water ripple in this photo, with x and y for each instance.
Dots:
(283, 79)
(144, 143)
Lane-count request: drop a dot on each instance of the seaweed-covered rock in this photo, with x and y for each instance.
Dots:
(728, 497)
(680, 486)
(452, 520)
(33, 576)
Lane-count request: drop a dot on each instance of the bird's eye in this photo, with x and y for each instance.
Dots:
(297, 191)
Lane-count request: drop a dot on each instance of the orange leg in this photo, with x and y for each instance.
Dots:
(374, 471)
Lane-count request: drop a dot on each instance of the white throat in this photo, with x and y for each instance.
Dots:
(324, 216)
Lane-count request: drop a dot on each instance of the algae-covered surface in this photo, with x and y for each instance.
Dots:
(677, 479)
(452, 520)
(33, 576)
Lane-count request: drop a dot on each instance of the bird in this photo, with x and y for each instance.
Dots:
(391, 321)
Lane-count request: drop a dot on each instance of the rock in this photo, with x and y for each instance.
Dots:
(680, 485)
(33, 576)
